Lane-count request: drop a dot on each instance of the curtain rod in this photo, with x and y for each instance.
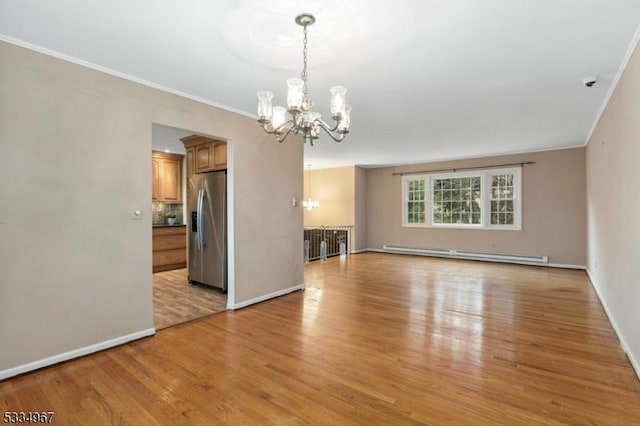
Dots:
(463, 168)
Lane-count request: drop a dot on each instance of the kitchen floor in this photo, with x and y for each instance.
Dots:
(176, 301)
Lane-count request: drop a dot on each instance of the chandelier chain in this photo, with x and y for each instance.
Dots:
(304, 74)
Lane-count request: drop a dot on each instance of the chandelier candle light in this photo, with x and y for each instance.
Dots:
(299, 116)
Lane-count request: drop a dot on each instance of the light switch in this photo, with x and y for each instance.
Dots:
(137, 214)
(294, 201)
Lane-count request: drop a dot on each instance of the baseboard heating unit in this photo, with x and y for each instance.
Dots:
(465, 254)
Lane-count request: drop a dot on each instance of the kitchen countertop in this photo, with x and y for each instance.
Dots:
(164, 225)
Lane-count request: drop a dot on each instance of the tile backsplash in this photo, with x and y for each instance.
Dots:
(159, 210)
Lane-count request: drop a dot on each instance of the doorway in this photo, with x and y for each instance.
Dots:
(175, 299)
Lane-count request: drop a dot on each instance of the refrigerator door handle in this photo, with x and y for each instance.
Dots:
(199, 219)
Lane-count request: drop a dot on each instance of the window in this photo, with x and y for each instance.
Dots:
(502, 193)
(415, 201)
(485, 199)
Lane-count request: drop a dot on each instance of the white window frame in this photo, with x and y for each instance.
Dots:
(405, 201)
(486, 176)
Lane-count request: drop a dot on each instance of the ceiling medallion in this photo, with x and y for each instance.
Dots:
(299, 117)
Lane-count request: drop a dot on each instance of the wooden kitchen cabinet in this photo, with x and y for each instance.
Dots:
(167, 177)
(169, 248)
(220, 155)
(155, 172)
(204, 154)
(191, 165)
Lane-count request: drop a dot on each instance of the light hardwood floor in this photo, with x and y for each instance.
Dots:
(176, 301)
(375, 339)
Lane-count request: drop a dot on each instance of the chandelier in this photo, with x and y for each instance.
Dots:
(309, 204)
(299, 117)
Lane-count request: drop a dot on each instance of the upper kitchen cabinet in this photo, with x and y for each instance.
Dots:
(167, 177)
(155, 173)
(204, 154)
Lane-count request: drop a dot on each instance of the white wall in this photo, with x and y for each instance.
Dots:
(613, 205)
(75, 269)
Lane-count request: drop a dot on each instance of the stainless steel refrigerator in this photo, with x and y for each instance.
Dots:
(207, 204)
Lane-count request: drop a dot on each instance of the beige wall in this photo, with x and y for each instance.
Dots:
(75, 269)
(613, 204)
(341, 192)
(553, 210)
(334, 190)
(360, 239)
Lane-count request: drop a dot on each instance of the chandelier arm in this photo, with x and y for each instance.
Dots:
(265, 127)
(326, 126)
(284, 126)
(268, 128)
(329, 131)
(284, 136)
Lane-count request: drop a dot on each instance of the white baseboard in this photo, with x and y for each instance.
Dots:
(634, 362)
(76, 353)
(375, 250)
(359, 251)
(266, 297)
(548, 265)
(566, 266)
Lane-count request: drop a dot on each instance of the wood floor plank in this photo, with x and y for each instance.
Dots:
(374, 339)
(176, 301)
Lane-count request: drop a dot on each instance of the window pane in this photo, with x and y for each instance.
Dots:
(495, 193)
(502, 187)
(508, 205)
(455, 199)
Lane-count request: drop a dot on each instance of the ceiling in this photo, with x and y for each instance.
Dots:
(428, 79)
(167, 139)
